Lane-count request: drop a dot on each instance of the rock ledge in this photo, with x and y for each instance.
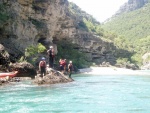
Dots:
(52, 77)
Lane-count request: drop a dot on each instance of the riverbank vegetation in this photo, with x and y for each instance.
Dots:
(66, 50)
(32, 52)
(71, 52)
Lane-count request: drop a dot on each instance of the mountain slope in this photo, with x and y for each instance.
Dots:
(133, 29)
(132, 25)
(132, 5)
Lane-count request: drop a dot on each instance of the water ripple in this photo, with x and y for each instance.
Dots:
(87, 94)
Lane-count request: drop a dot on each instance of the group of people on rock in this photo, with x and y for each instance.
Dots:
(62, 63)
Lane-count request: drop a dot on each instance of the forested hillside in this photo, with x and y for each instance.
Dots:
(132, 25)
(133, 28)
(122, 52)
(87, 22)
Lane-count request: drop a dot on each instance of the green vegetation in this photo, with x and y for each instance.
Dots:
(3, 17)
(82, 26)
(37, 23)
(133, 30)
(3, 14)
(86, 21)
(133, 25)
(123, 49)
(31, 53)
(122, 61)
(73, 54)
(93, 27)
(78, 58)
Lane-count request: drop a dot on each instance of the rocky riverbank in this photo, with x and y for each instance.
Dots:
(52, 77)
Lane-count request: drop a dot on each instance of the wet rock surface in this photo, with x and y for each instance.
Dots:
(52, 77)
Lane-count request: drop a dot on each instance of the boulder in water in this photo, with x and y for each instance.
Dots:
(25, 69)
(52, 77)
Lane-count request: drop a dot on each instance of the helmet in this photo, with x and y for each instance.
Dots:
(43, 58)
(70, 61)
(51, 47)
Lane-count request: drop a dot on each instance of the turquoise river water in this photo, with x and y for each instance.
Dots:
(87, 94)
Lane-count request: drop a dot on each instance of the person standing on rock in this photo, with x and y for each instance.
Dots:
(62, 65)
(42, 67)
(70, 68)
(51, 56)
(65, 66)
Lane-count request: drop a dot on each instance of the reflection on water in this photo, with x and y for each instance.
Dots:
(87, 94)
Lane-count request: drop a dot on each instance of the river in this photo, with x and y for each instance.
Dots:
(87, 94)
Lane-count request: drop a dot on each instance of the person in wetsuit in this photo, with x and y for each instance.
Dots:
(70, 68)
(42, 67)
(51, 56)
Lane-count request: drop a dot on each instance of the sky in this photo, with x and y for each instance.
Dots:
(99, 9)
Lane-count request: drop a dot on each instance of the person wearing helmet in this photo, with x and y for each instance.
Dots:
(42, 66)
(62, 65)
(51, 55)
(70, 68)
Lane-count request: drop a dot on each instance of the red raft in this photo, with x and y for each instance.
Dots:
(10, 74)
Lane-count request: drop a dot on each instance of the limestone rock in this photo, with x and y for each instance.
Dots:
(132, 66)
(48, 21)
(146, 61)
(52, 77)
(132, 5)
(24, 69)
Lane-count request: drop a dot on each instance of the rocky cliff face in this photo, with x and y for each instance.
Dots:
(29, 22)
(132, 5)
(146, 61)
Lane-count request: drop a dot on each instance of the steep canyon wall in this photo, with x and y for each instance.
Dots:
(29, 22)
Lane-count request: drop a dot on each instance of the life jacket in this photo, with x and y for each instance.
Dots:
(70, 66)
(62, 62)
(51, 52)
(42, 64)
